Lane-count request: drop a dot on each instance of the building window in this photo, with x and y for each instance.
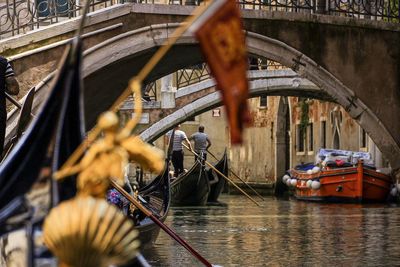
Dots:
(263, 101)
(300, 138)
(323, 134)
(310, 135)
(363, 138)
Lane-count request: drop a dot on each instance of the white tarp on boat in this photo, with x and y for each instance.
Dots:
(324, 155)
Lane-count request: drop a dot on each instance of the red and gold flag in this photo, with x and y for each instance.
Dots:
(222, 41)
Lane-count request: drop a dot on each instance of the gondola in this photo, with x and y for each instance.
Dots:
(56, 131)
(156, 196)
(49, 140)
(191, 188)
(217, 182)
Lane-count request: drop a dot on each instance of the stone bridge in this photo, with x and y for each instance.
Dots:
(355, 62)
(198, 98)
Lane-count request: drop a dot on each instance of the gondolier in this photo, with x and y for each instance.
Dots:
(201, 142)
(8, 84)
(177, 149)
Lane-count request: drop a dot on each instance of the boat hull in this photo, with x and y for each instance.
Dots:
(352, 185)
(192, 188)
(148, 234)
(157, 195)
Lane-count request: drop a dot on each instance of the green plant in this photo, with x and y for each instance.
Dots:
(391, 10)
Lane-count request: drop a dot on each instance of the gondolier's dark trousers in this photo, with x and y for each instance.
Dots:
(201, 153)
(177, 161)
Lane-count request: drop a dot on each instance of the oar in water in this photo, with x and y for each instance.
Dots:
(220, 173)
(243, 181)
(160, 224)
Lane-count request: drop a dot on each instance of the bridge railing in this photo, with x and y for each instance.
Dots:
(20, 16)
(200, 72)
(386, 10)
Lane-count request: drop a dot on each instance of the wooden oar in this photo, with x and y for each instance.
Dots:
(160, 224)
(13, 100)
(220, 173)
(237, 176)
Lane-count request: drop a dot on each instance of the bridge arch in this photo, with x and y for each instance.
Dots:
(110, 64)
(185, 54)
(279, 86)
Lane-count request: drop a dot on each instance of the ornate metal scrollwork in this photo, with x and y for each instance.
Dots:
(386, 10)
(20, 16)
(278, 5)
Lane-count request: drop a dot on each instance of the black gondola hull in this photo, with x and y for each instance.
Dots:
(191, 188)
(157, 195)
(217, 187)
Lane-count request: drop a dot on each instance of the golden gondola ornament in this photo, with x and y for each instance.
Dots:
(108, 156)
(88, 231)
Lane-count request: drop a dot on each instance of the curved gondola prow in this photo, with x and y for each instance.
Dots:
(22, 168)
(217, 187)
(159, 187)
(31, 159)
(155, 197)
(222, 164)
(25, 117)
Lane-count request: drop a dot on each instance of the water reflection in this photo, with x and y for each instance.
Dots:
(282, 233)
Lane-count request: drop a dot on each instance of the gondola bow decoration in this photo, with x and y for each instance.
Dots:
(222, 41)
(86, 230)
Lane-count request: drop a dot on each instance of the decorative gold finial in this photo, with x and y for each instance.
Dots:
(108, 121)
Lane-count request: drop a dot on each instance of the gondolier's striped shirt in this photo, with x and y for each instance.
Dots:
(9, 71)
(179, 136)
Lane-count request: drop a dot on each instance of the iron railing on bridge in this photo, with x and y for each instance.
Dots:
(200, 72)
(20, 16)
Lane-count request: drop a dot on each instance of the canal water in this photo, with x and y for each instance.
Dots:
(282, 233)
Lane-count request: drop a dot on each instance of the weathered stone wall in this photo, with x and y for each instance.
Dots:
(362, 54)
(254, 161)
(331, 113)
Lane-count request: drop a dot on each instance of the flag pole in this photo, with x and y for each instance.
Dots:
(160, 53)
(163, 226)
(243, 181)
(220, 173)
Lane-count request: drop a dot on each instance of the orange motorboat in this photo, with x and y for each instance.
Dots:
(358, 183)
